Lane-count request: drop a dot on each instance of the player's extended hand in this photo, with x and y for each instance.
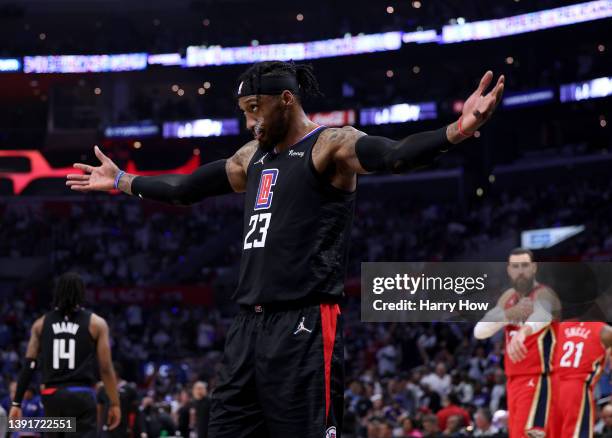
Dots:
(516, 349)
(479, 107)
(15, 413)
(114, 417)
(95, 178)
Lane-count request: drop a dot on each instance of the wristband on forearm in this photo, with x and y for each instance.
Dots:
(23, 381)
(460, 128)
(118, 178)
(380, 154)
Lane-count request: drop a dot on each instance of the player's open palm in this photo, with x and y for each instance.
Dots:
(479, 107)
(94, 178)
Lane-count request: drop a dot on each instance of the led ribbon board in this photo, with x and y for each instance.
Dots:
(165, 59)
(9, 64)
(403, 112)
(528, 98)
(600, 87)
(334, 118)
(131, 131)
(201, 128)
(198, 56)
(534, 21)
(85, 63)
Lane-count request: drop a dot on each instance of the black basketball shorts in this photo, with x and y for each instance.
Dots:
(282, 375)
(73, 401)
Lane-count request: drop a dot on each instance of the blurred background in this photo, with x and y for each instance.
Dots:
(153, 82)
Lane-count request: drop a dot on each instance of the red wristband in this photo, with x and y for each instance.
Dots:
(460, 128)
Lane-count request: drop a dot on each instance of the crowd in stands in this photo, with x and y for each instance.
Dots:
(123, 241)
(403, 380)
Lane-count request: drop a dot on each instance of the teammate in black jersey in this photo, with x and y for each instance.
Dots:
(282, 368)
(65, 343)
(128, 402)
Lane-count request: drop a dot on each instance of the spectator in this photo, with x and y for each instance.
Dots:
(439, 381)
(408, 430)
(498, 393)
(3, 422)
(387, 357)
(414, 391)
(430, 427)
(206, 335)
(31, 407)
(483, 421)
(155, 419)
(454, 427)
(603, 429)
(200, 409)
(451, 407)
(500, 421)
(430, 399)
(6, 401)
(183, 414)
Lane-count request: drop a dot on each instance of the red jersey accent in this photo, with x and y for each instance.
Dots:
(539, 345)
(579, 353)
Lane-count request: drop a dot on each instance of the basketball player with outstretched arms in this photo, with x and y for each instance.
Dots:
(282, 371)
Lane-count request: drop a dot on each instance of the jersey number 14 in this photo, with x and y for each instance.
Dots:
(60, 352)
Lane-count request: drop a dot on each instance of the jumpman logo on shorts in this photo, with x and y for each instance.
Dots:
(301, 328)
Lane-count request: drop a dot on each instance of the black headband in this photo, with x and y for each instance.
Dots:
(268, 85)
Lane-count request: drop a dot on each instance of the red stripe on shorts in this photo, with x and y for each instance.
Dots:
(329, 318)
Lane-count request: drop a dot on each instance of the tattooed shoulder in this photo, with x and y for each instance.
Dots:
(245, 153)
(341, 136)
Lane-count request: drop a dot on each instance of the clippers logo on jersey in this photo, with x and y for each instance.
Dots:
(263, 200)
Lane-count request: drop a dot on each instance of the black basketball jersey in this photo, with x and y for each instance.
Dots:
(68, 352)
(296, 229)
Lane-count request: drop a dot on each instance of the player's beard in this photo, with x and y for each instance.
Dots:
(274, 131)
(523, 285)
